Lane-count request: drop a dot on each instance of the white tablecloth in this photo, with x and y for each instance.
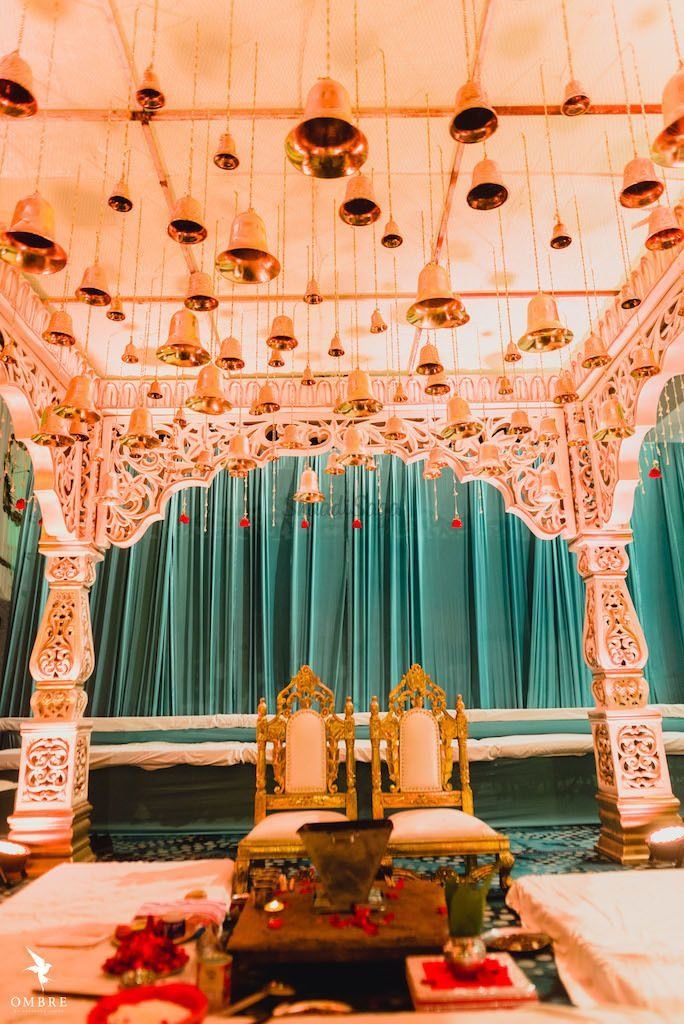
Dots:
(618, 935)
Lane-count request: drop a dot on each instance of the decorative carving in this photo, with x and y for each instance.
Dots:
(622, 641)
(620, 691)
(59, 704)
(80, 768)
(638, 756)
(55, 658)
(604, 756)
(47, 770)
(590, 652)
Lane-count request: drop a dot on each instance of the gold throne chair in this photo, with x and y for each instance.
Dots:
(305, 743)
(431, 818)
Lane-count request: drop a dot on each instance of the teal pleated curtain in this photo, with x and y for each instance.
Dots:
(206, 617)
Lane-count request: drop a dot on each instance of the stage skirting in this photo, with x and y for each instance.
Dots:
(197, 773)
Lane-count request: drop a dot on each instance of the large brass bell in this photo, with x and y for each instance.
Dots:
(116, 311)
(29, 242)
(326, 143)
(460, 422)
(474, 119)
(79, 400)
(140, 434)
(487, 190)
(60, 329)
(308, 492)
(437, 384)
(668, 148)
(282, 336)
(359, 207)
(17, 98)
(436, 305)
(208, 396)
(640, 187)
(266, 402)
(52, 431)
(183, 347)
(664, 231)
(545, 332)
(230, 355)
(429, 361)
(246, 260)
(200, 295)
(185, 225)
(612, 423)
(93, 288)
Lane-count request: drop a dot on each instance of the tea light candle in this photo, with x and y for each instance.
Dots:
(274, 906)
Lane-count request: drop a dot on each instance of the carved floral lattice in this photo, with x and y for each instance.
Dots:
(80, 768)
(604, 756)
(47, 770)
(622, 641)
(638, 756)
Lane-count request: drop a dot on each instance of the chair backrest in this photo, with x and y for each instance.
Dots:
(417, 733)
(304, 736)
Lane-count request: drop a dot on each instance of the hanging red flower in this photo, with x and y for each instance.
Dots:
(245, 523)
(356, 523)
(456, 523)
(654, 473)
(184, 518)
(20, 504)
(305, 523)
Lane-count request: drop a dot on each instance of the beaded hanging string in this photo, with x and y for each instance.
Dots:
(495, 272)
(566, 33)
(251, 144)
(429, 163)
(191, 153)
(618, 43)
(51, 61)
(547, 132)
(456, 522)
(74, 210)
(387, 135)
(584, 266)
(505, 275)
(675, 34)
(135, 271)
(622, 237)
(229, 77)
(531, 210)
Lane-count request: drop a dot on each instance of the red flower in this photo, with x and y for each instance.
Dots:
(356, 523)
(184, 518)
(20, 504)
(245, 523)
(654, 473)
(456, 523)
(305, 523)
(274, 923)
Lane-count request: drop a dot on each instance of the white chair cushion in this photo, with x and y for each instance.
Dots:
(438, 824)
(419, 749)
(305, 753)
(282, 826)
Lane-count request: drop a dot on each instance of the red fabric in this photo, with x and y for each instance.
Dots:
(456, 523)
(245, 523)
(438, 974)
(274, 923)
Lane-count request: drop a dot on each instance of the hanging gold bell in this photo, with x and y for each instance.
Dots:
(308, 379)
(115, 311)
(109, 494)
(335, 351)
(208, 396)
(282, 336)
(239, 459)
(489, 460)
(391, 236)
(640, 187)
(154, 392)
(377, 324)
(200, 294)
(437, 384)
(149, 95)
(29, 242)
(16, 87)
(432, 469)
(140, 435)
(644, 363)
(668, 148)
(564, 391)
(545, 332)
(575, 99)
(202, 462)
(93, 288)
(333, 467)
(594, 354)
(548, 430)
(560, 236)
(353, 452)
(577, 432)
(186, 224)
(360, 398)
(120, 198)
(60, 329)
(474, 119)
(612, 423)
(487, 190)
(247, 260)
(359, 207)
(326, 143)
(52, 432)
(309, 493)
(290, 439)
(395, 429)
(512, 353)
(664, 231)
(460, 422)
(266, 401)
(183, 347)
(79, 400)
(399, 397)
(504, 386)
(130, 354)
(312, 295)
(628, 298)
(78, 429)
(275, 360)
(179, 419)
(519, 423)
(225, 156)
(230, 356)
(549, 488)
(435, 305)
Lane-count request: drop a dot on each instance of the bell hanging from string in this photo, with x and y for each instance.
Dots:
(230, 355)
(577, 432)
(664, 231)
(460, 422)
(564, 391)
(519, 424)
(436, 306)
(549, 489)
(392, 237)
(436, 384)
(399, 396)
(186, 225)
(154, 392)
(225, 156)
(247, 260)
(60, 329)
(548, 430)
(335, 350)
(612, 423)
(432, 470)
(377, 324)
(327, 143)
(512, 353)
(504, 388)
(282, 335)
(52, 432)
(116, 311)
(29, 242)
(308, 492)
(312, 295)
(275, 360)
(594, 353)
(266, 402)
(560, 236)
(140, 434)
(628, 298)
(149, 94)
(17, 98)
(180, 419)
(333, 467)
(108, 494)
(668, 148)
(130, 354)
(200, 296)
(359, 207)
(183, 347)
(489, 460)
(208, 396)
(79, 400)
(545, 332)
(120, 197)
(395, 429)
(308, 380)
(575, 99)
(290, 439)
(360, 398)
(487, 190)
(474, 119)
(202, 462)
(239, 459)
(93, 289)
(353, 452)
(640, 187)
(644, 363)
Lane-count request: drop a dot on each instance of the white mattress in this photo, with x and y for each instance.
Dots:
(618, 935)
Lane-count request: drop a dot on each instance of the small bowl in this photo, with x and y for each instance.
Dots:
(187, 996)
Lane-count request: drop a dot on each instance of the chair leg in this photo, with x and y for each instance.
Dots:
(505, 861)
(470, 864)
(241, 873)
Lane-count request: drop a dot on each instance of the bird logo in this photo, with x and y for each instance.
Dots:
(41, 968)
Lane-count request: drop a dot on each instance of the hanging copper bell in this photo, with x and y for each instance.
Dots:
(335, 350)
(130, 354)
(392, 237)
(266, 402)
(275, 360)
(628, 298)
(549, 488)
(545, 332)
(436, 306)
(640, 187)
(140, 433)
(186, 224)
(312, 295)
(399, 396)
(308, 379)
(52, 432)
(512, 353)
(60, 329)
(577, 432)
(487, 191)
(519, 423)
(116, 311)
(474, 119)
(16, 87)
(489, 460)
(504, 386)
(120, 198)
(428, 360)
(239, 455)
(353, 452)
(359, 207)
(377, 324)
(183, 347)
(93, 288)
(360, 396)
(548, 430)
(247, 260)
(644, 363)
(225, 156)
(308, 492)
(395, 429)
(208, 396)
(290, 439)
(79, 400)
(668, 148)
(431, 470)
(230, 355)
(612, 423)
(149, 95)
(333, 467)
(437, 384)
(326, 143)
(154, 392)
(564, 392)
(200, 294)
(560, 236)
(109, 495)
(78, 429)
(29, 242)
(575, 99)
(664, 231)
(460, 422)
(594, 354)
(282, 336)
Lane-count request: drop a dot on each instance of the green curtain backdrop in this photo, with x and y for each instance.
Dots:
(206, 617)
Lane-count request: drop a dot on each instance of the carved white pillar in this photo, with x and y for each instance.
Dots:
(634, 792)
(51, 812)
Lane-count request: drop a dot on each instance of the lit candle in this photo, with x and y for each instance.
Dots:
(274, 906)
